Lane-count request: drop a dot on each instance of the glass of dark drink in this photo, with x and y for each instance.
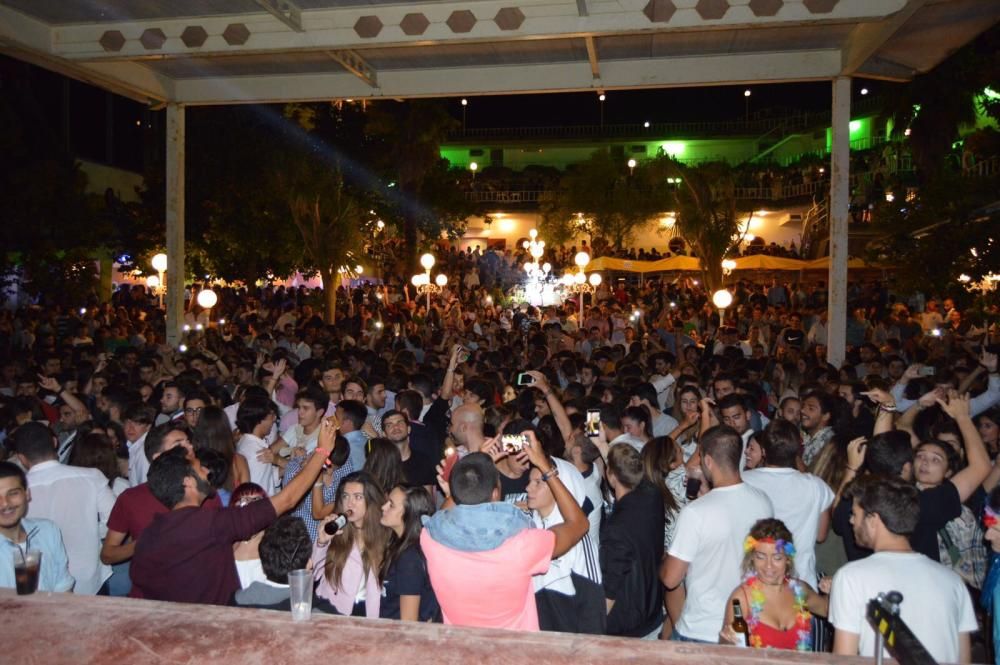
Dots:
(693, 488)
(26, 572)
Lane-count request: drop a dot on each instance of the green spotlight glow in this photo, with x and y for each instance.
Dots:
(674, 148)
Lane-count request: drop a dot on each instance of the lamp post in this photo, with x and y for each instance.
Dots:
(473, 166)
(465, 105)
(600, 99)
(722, 299)
(159, 264)
(423, 281)
(207, 298)
(578, 282)
(631, 166)
(746, 96)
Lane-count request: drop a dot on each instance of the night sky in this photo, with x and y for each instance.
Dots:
(82, 110)
(636, 106)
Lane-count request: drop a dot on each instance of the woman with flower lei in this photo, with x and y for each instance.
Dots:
(778, 608)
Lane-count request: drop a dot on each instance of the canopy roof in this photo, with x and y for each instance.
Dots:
(690, 263)
(233, 51)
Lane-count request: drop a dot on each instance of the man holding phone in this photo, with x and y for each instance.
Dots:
(482, 553)
(977, 405)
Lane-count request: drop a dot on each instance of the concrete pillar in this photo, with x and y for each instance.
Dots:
(175, 223)
(840, 196)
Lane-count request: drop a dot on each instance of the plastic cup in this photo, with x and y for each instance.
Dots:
(26, 572)
(300, 584)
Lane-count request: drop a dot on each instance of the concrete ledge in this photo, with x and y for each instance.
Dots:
(54, 628)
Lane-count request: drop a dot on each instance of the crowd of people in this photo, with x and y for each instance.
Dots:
(640, 469)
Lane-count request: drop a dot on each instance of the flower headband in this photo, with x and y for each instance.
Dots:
(991, 518)
(750, 544)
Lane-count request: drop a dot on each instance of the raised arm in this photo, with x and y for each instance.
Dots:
(558, 412)
(884, 421)
(293, 492)
(49, 383)
(977, 460)
(449, 376)
(575, 524)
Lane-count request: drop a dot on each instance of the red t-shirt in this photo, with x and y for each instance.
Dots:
(491, 589)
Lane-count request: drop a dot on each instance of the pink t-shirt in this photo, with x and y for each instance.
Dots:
(490, 589)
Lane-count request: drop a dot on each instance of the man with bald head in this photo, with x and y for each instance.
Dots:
(467, 427)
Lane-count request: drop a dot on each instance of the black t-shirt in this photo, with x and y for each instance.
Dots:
(419, 469)
(514, 490)
(938, 506)
(793, 337)
(407, 576)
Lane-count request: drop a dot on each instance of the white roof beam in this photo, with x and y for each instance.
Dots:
(538, 78)
(866, 38)
(27, 39)
(334, 29)
(595, 67)
(356, 65)
(285, 11)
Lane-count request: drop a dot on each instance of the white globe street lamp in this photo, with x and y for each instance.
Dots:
(722, 299)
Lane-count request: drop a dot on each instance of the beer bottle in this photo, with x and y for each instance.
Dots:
(739, 625)
(331, 528)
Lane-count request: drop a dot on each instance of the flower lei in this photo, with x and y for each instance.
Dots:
(990, 518)
(803, 619)
(750, 544)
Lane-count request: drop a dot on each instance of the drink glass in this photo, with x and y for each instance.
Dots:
(300, 584)
(26, 571)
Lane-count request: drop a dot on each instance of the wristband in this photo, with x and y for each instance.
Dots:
(550, 474)
(324, 451)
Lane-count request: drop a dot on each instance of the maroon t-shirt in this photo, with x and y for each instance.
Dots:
(186, 555)
(136, 507)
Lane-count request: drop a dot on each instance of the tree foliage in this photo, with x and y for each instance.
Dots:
(605, 199)
(936, 104)
(52, 231)
(406, 140)
(704, 200)
(940, 235)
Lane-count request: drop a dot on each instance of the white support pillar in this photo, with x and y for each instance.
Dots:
(840, 189)
(175, 222)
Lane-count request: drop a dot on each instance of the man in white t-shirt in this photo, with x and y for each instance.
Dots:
(707, 549)
(936, 606)
(254, 420)
(801, 500)
(77, 499)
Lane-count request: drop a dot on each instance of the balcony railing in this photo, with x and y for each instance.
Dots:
(502, 196)
(902, 163)
(983, 169)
